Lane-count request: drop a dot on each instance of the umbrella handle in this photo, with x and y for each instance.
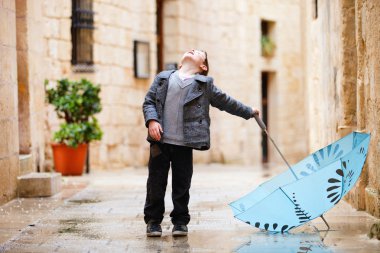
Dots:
(260, 122)
(264, 128)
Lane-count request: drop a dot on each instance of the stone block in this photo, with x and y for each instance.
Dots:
(8, 137)
(8, 100)
(53, 8)
(114, 135)
(107, 14)
(7, 27)
(8, 64)
(171, 8)
(135, 136)
(171, 26)
(4, 180)
(53, 46)
(39, 184)
(64, 50)
(65, 29)
(132, 155)
(53, 28)
(35, 9)
(118, 75)
(8, 4)
(26, 164)
(372, 200)
(113, 94)
(14, 172)
(102, 35)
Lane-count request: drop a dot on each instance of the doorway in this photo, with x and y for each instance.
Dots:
(160, 34)
(267, 79)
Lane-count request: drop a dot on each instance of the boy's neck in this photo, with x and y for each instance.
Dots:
(188, 70)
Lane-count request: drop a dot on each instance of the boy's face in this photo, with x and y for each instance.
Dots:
(195, 57)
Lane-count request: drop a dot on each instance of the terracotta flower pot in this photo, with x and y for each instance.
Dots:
(69, 160)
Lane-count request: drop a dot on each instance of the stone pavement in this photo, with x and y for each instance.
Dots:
(102, 212)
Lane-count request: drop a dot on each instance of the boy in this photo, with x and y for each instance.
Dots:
(176, 112)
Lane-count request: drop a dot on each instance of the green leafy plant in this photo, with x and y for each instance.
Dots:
(267, 46)
(76, 103)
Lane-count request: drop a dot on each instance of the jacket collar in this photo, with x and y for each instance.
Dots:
(166, 74)
(201, 78)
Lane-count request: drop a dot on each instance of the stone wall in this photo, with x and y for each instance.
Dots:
(21, 92)
(368, 99)
(230, 33)
(342, 89)
(9, 144)
(30, 76)
(118, 24)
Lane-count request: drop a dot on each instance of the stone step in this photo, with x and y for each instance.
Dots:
(39, 184)
(26, 164)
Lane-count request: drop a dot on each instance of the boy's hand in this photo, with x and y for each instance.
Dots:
(155, 130)
(255, 111)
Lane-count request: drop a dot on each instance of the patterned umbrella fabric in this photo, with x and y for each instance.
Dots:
(312, 187)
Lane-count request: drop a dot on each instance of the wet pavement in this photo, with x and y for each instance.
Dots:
(102, 212)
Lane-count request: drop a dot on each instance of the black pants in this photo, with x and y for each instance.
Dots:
(181, 159)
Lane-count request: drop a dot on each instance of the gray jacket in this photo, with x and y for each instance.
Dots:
(196, 117)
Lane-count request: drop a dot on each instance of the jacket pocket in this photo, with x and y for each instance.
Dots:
(196, 131)
(155, 150)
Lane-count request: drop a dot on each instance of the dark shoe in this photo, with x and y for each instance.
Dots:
(179, 230)
(153, 230)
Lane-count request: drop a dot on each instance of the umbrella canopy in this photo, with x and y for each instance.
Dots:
(312, 187)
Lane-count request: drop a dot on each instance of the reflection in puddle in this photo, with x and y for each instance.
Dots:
(288, 242)
(181, 244)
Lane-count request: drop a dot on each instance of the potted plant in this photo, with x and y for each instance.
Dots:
(75, 102)
(267, 46)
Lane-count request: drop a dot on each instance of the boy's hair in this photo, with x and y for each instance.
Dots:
(205, 62)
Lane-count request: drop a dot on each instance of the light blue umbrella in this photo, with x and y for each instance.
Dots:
(308, 189)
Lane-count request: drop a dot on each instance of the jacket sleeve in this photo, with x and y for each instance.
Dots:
(149, 105)
(224, 102)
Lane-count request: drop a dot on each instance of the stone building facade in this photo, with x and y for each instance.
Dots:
(235, 60)
(230, 32)
(343, 83)
(8, 101)
(117, 25)
(21, 93)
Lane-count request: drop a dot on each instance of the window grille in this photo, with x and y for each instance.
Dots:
(82, 28)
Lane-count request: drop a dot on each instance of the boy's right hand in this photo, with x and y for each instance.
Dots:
(155, 130)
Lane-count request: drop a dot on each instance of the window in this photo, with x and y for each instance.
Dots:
(82, 28)
(141, 59)
(268, 45)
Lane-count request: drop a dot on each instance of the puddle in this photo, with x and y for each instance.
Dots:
(84, 201)
(76, 221)
(79, 227)
(269, 242)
